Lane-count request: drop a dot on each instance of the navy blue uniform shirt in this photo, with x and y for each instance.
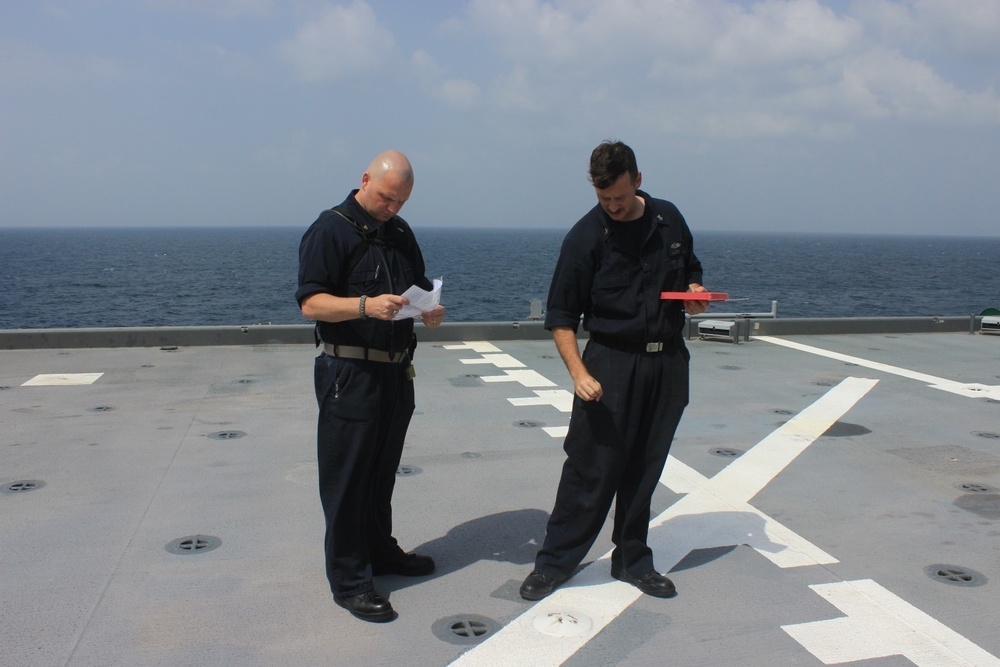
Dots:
(391, 263)
(600, 276)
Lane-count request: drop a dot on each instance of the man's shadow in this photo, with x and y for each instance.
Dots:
(508, 537)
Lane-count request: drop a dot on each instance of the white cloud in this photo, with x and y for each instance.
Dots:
(459, 93)
(965, 27)
(342, 41)
(770, 68)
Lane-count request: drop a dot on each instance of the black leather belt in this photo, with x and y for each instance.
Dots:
(624, 346)
(370, 354)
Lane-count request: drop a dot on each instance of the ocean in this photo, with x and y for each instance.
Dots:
(53, 278)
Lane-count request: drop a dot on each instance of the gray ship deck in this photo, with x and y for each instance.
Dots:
(830, 499)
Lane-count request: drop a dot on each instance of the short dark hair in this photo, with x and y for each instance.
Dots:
(609, 161)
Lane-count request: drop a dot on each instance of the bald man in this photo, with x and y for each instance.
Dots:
(354, 263)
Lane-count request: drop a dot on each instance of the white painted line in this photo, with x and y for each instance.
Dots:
(560, 399)
(62, 379)
(710, 515)
(498, 360)
(556, 431)
(481, 346)
(880, 624)
(967, 389)
(528, 378)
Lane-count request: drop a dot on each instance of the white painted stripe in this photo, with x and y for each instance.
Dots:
(527, 378)
(480, 346)
(556, 431)
(560, 399)
(752, 471)
(709, 515)
(62, 379)
(879, 624)
(498, 360)
(967, 389)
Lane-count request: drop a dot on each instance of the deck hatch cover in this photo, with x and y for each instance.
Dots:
(193, 544)
(407, 470)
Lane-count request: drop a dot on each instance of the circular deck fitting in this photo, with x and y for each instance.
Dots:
(975, 487)
(4, 388)
(728, 367)
(987, 434)
(193, 544)
(100, 408)
(465, 629)
(226, 435)
(471, 455)
(244, 381)
(23, 486)
(168, 348)
(148, 366)
(407, 470)
(528, 423)
(956, 575)
(562, 624)
(726, 452)
(782, 411)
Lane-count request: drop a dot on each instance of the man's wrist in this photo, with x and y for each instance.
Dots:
(361, 307)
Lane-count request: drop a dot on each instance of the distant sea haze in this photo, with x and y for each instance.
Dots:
(53, 278)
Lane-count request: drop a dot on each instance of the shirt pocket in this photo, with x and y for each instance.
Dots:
(364, 281)
(613, 295)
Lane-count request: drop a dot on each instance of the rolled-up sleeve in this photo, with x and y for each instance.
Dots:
(319, 261)
(570, 289)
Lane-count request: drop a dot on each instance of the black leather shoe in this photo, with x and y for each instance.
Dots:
(369, 606)
(538, 586)
(407, 565)
(651, 583)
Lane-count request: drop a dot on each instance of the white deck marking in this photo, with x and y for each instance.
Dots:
(967, 389)
(528, 378)
(62, 379)
(480, 346)
(880, 624)
(709, 515)
(498, 360)
(560, 399)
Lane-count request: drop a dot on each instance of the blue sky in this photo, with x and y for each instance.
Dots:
(874, 117)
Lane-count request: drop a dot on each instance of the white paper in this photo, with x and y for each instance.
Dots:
(420, 300)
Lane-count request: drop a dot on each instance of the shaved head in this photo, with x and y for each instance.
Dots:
(392, 162)
(386, 185)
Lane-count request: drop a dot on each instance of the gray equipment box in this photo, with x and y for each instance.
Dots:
(718, 330)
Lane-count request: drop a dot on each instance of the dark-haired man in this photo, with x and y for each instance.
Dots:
(630, 383)
(355, 261)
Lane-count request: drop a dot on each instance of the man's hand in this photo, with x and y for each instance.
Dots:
(384, 306)
(433, 318)
(696, 307)
(587, 388)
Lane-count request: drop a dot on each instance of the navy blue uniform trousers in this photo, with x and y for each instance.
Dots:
(615, 447)
(364, 411)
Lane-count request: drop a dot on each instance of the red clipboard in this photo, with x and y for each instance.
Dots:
(694, 296)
